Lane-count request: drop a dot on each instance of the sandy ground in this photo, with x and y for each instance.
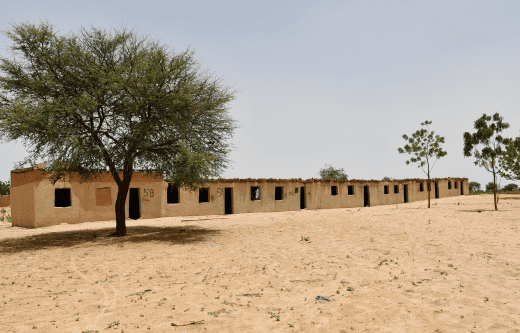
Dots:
(398, 268)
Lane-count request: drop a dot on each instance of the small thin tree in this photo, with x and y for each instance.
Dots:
(490, 188)
(488, 156)
(424, 147)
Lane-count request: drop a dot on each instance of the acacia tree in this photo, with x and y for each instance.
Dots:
(101, 103)
(332, 173)
(426, 149)
(490, 187)
(510, 187)
(474, 186)
(488, 156)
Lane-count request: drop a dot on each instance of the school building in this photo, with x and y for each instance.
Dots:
(36, 202)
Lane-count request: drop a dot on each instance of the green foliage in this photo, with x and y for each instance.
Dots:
(483, 135)
(333, 173)
(490, 187)
(386, 179)
(477, 192)
(490, 158)
(474, 186)
(189, 167)
(113, 104)
(510, 187)
(5, 188)
(510, 162)
(423, 146)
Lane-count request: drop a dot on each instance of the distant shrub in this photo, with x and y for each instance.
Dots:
(5, 188)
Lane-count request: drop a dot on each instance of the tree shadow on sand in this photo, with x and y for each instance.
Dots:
(102, 237)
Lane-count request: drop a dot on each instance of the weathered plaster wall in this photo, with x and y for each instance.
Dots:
(318, 195)
(33, 196)
(5, 200)
(33, 199)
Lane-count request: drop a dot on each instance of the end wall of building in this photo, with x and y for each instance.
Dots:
(34, 198)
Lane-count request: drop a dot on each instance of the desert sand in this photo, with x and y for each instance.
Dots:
(396, 268)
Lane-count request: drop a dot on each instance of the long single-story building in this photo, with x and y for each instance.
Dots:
(36, 202)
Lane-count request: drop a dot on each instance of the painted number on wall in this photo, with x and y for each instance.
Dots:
(150, 191)
(219, 191)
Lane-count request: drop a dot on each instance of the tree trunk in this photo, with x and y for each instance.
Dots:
(494, 185)
(429, 189)
(122, 193)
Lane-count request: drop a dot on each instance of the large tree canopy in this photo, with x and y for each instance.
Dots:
(99, 103)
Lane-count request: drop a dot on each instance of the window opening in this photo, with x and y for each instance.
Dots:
(204, 194)
(278, 193)
(255, 193)
(172, 194)
(62, 197)
(350, 190)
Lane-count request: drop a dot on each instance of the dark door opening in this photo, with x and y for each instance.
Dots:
(133, 204)
(461, 188)
(367, 197)
(405, 193)
(228, 200)
(302, 198)
(436, 190)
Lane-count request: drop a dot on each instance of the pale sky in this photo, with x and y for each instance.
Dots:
(326, 82)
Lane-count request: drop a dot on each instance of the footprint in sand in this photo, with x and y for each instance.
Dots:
(109, 304)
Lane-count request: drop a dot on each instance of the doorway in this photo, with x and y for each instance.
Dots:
(302, 197)
(133, 204)
(436, 190)
(405, 193)
(228, 200)
(367, 197)
(461, 187)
